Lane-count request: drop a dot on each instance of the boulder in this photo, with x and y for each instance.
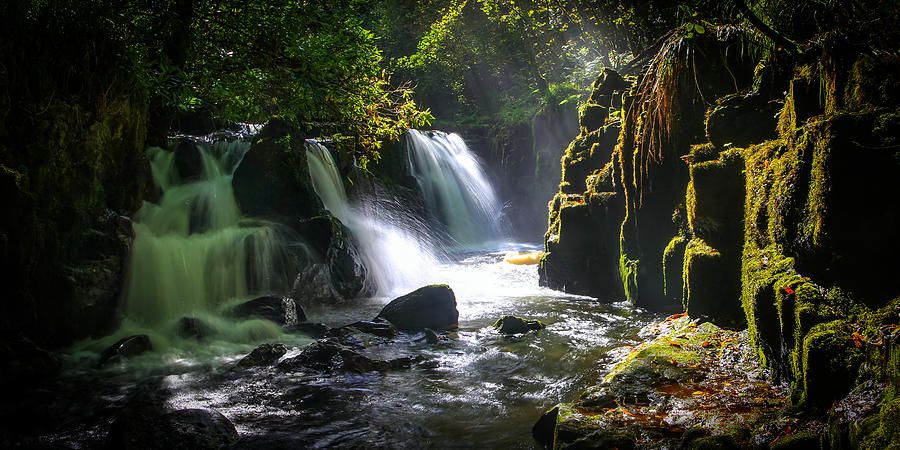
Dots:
(181, 429)
(516, 325)
(273, 178)
(281, 310)
(431, 306)
(544, 429)
(328, 237)
(126, 348)
(431, 336)
(188, 160)
(193, 429)
(329, 355)
(193, 328)
(313, 286)
(263, 355)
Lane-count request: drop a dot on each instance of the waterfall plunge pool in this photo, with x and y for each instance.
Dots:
(476, 389)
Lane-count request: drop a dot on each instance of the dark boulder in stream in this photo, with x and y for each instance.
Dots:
(126, 348)
(347, 273)
(263, 355)
(273, 179)
(431, 306)
(181, 429)
(330, 355)
(516, 325)
(193, 328)
(278, 309)
(188, 160)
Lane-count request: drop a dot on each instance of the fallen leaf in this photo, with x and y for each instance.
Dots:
(705, 344)
(789, 290)
(858, 339)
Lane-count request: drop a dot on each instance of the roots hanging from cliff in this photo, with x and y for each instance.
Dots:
(673, 88)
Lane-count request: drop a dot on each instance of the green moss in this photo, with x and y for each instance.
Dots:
(804, 440)
(673, 262)
(670, 357)
(830, 363)
(711, 286)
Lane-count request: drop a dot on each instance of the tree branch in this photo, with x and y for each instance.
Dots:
(788, 45)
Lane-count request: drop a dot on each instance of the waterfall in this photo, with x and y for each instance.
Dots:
(193, 250)
(455, 188)
(393, 243)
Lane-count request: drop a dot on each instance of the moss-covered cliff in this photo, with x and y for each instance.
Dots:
(768, 200)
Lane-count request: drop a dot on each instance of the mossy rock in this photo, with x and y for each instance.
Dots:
(830, 364)
(673, 265)
(581, 245)
(592, 116)
(715, 201)
(510, 325)
(739, 120)
(711, 284)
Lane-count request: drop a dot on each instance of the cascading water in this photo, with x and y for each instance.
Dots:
(394, 245)
(454, 185)
(193, 251)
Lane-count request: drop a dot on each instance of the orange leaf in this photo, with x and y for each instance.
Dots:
(705, 344)
(789, 290)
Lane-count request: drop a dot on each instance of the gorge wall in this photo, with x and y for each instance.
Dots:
(751, 193)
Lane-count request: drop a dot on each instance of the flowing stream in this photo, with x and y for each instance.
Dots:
(476, 388)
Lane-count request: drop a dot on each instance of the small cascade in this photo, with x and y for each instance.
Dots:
(455, 187)
(393, 243)
(193, 251)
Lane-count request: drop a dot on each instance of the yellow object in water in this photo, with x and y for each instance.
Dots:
(523, 258)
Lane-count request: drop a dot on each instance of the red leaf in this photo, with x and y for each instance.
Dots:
(789, 290)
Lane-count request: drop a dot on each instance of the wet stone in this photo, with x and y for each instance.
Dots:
(278, 309)
(264, 355)
(126, 348)
(330, 355)
(193, 328)
(516, 325)
(431, 306)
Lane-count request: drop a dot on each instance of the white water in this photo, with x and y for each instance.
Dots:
(455, 187)
(397, 252)
(193, 251)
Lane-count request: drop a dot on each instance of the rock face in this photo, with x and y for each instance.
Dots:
(764, 204)
(329, 237)
(273, 181)
(427, 307)
(72, 163)
(281, 310)
(188, 160)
